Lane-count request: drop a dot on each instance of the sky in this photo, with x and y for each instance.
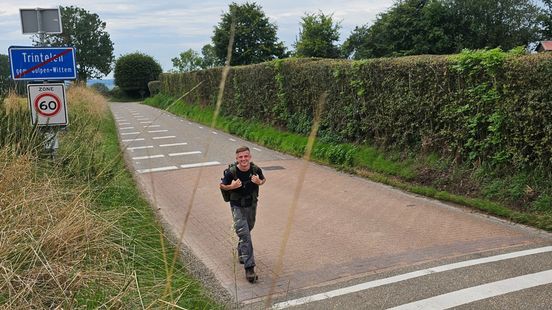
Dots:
(165, 28)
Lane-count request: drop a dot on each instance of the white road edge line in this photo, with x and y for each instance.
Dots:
(209, 163)
(184, 153)
(163, 137)
(148, 157)
(484, 291)
(157, 169)
(173, 144)
(140, 147)
(406, 276)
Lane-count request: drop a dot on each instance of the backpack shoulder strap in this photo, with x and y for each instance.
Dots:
(232, 168)
(254, 168)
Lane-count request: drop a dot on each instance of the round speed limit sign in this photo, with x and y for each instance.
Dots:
(47, 104)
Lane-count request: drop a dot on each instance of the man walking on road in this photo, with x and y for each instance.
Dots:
(241, 182)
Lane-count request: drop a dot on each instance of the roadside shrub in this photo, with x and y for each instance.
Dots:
(154, 87)
(101, 88)
(134, 71)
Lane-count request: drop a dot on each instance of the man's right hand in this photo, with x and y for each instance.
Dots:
(236, 184)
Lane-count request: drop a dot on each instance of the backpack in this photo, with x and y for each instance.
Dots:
(232, 169)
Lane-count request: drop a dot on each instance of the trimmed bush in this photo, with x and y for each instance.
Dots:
(134, 71)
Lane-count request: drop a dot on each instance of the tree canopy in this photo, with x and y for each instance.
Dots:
(188, 60)
(317, 36)
(255, 38)
(86, 32)
(445, 26)
(134, 71)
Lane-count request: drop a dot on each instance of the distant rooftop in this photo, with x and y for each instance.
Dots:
(544, 46)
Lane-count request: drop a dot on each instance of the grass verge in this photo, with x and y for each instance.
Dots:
(424, 175)
(75, 231)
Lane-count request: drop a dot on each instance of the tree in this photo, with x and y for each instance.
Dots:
(413, 27)
(255, 38)
(189, 60)
(546, 20)
(317, 37)
(209, 57)
(86, 32)
(134, 71)
(4, 75)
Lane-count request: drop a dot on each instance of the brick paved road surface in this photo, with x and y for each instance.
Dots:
(345, 228)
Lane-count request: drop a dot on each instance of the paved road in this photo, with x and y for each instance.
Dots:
(354, 244)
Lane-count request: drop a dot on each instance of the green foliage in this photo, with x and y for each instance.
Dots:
(134, 71)
(413, 27)
(4, 75)
(189, 60)
(209, 57)
(317, 36)
(255, 38)
(154, 87)
(86, 32)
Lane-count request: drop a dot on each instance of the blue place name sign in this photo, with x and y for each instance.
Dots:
(42, 63)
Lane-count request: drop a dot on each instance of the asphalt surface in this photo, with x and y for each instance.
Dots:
(352, 243)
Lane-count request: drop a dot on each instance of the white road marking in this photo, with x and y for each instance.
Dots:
(148, 157)
(146, 122)
(480, 292)
(189, 123)
(152, 126)
(160, 130)
(157, 169)
(257, 149)
(233, 140)
(214, 132)
(124, 124)
(142, 119)
(184, 153)
(407, 276)
(173, 144)
(130, 140)
(140, 147)
(200, 127)
(130, 133)
(163, 137)
(209, 163)
(125, 128)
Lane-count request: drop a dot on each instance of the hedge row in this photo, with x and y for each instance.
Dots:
(491, 108)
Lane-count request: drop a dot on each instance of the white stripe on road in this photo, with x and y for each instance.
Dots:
(124, 123)
(130, 133)
(163, 137)
(160, 130)
(173, 144)
(148, 157)
(233, 140)
(200, 127)
(157, 169)
(146, 122)
(214, 132)
(257, 149)
(209, 163)
(140, 147)
(480, 292)
(184, 153)
(142, 119)
(130, 140)
(125, 128)
(152, 126)
(407, 276)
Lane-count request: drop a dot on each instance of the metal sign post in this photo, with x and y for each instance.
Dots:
(46, 101)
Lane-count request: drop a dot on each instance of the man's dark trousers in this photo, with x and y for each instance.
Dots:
(244, 221)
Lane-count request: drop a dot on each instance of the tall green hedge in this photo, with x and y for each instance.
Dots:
(481, 106)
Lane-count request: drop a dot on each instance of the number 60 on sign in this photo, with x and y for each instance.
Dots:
(47, 104)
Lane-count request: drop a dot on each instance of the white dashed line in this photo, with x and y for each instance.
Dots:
(209, 163)
(184, 153)
(257, 149)
(146, 122)
(173, 144)
(406, 276)
(130, 133)
(471, 294)
(140, 147)
(124, 124)
(126, 128)
(142, 119)
(233, 140)
(152, 126)
(148, 157)
(130, 140)
(163, 137)
(214, 132)
(160, 130)
(157, 169)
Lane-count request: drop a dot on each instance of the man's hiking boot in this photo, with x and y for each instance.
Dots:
(250, 274)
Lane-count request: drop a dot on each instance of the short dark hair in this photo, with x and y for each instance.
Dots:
(242, 149)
